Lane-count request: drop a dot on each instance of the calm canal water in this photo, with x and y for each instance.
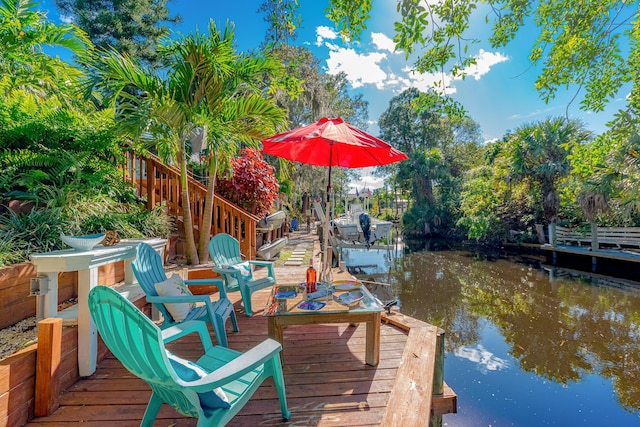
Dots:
(525, 345)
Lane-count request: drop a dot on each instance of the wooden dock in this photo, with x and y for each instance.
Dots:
(327, 381)
(623, 255)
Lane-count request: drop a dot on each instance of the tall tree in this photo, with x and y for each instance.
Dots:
(440, 142)
(539, 153)
(207, 85)
(283, 19)
(321, 95)
(131, 27)
(240, 112)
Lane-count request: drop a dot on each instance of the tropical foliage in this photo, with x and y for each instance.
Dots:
(24, 65)
(60, 175)
(64, 126)
(440, 145)
(253, 185)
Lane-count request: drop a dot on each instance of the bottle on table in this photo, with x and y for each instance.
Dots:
(311, 278)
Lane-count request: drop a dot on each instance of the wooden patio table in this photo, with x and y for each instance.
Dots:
(282, 312)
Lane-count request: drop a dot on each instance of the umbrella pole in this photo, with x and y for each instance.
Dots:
(328, 250)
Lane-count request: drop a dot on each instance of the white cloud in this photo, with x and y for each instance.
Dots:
(442, 82)
(324, 33)
(382, 42)
(484, 62)
(367, 181)
(66, 19)
(427, 81)
(360, 68)
(534, 113)
(366, 68)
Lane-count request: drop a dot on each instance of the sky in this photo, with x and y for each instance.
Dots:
(498, 93)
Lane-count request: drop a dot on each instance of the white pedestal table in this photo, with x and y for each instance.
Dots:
(86, 263)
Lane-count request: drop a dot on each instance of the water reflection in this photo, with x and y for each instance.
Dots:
(578, 332)
(486, 360)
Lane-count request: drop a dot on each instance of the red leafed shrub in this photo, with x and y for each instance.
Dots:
(253, 185)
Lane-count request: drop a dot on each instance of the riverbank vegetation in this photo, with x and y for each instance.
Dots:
(196, 102)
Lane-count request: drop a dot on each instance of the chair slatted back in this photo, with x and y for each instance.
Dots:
(225, 250)
(148, 269)
(137, 343)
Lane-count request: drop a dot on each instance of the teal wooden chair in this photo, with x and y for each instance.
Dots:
(237, 274)
(148, 269)
(213, 389)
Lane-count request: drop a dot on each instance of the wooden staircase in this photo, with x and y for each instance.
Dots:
(148, 172)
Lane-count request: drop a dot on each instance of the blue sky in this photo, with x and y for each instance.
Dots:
(499, 93)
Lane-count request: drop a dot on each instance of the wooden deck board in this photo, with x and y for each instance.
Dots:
(327, 381)
(415, 383)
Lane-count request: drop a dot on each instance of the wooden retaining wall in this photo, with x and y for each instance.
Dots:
(17, 372)
(18, 375)
(17, 305)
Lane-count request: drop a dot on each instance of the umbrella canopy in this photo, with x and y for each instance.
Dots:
(331, 142)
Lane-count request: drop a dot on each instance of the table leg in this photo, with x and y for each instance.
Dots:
(129, 277)
(372, 356)
(51, 297)
(275, 331)
(87, 333)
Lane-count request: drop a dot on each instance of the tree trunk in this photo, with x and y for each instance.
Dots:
(187, 220)
(207, 215)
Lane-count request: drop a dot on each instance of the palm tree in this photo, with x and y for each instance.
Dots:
(197, 91)
(23, 63)
(593, 203)
(159, 111)
(238, 115)
(539, 153)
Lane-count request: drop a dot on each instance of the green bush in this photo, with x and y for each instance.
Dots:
(74, 214)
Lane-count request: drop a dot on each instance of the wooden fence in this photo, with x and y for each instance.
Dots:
(148, 172)
(617, 237)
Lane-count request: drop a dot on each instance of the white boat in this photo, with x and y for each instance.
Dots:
(349, 227)
(273, 221)
(270, 250)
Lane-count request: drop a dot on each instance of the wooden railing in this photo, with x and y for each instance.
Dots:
(148, 172)
(618, 237)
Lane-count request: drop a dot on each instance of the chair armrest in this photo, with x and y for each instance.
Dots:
(208, 281)
(223, 270)
(178, 299)
(239, 366)
(180, 330)
(219, 283)
(268, 264)
(263, 263)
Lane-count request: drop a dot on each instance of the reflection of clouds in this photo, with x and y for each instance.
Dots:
(485, 359)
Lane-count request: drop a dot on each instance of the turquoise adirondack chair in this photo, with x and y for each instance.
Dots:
(148, 269)
(140, 346)
(225, 253)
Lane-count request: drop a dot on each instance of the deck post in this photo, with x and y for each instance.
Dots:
(438, 375)
(151, 184)
(47, 367)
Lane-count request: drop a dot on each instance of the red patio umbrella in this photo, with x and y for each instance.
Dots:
(331, 142)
